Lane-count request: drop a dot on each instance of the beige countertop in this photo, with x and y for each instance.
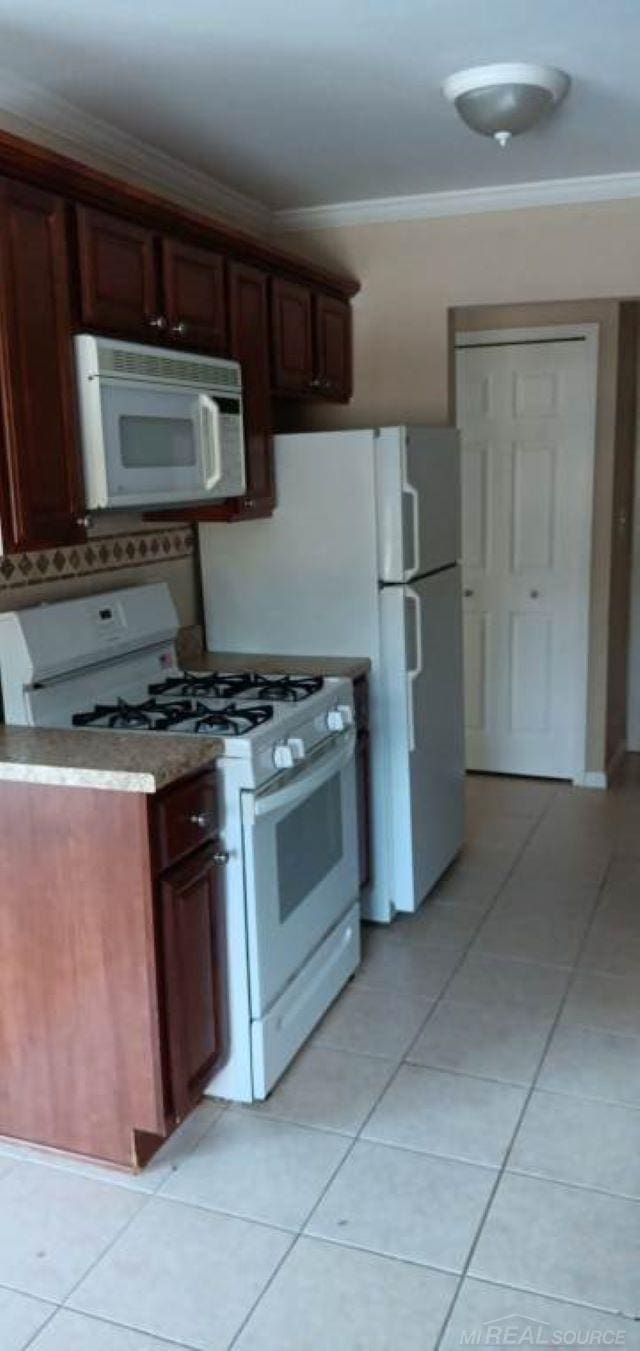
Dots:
(130, 762)
(270, 663)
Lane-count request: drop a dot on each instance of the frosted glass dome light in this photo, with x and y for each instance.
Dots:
(505, 100)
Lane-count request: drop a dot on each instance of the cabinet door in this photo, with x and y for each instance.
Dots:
(333, 347)
(118, 276)
(195, 300)
(250, 346)
(190, 928)
(41, 489)
(292, 337)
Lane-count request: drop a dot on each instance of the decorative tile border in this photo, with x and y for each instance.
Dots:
(104, 553)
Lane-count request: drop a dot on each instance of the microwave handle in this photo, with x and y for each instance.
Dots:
(209, 415)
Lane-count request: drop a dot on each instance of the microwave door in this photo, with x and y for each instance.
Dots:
(149, 445)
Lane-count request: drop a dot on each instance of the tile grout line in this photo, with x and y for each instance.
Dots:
(528, 1096)
(355, 1139)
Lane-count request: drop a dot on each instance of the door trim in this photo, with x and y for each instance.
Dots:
(589, 334)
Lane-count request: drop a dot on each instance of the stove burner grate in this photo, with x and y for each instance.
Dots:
(233, 721)
(239, 684)
(118, 715)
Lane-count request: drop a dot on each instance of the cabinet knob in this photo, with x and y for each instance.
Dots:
(159, 322)
(249, 502)
(468, 590)
(534, 594)
(316, 383)
(202, 820)
(83, 522)
(179, 329)
(221, 856)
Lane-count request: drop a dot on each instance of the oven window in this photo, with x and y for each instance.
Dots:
(309, 845)
(156, 442)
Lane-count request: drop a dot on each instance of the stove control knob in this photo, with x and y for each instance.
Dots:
(283, 756)
(335, 720)
(347, 714)
(297, 747)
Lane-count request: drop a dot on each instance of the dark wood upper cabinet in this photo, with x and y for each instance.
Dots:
(118, 281)
(192, 976)
(333, 347)
(41, 493)
(249, 315)
(292, 337)
(194, 296)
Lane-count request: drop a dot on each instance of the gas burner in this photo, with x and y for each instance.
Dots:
(232, 721)
(120, 714)
(203, 684)
(286, 689)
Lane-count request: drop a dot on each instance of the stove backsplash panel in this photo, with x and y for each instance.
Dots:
(119, 557)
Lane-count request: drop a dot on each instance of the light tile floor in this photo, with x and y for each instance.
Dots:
(454, 1157)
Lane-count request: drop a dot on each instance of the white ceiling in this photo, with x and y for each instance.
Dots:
(298, 103)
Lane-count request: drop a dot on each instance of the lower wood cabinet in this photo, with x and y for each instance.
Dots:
(112, 998)
(192, 975)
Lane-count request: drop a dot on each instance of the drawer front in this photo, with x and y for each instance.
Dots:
(186, 817)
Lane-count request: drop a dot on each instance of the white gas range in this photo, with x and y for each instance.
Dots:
(287, 788)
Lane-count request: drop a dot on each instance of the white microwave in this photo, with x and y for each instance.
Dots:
(158, 427)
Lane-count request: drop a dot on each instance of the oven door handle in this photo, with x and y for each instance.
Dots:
(323, 767)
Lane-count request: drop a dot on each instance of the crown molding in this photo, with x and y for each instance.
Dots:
(462, 202)
(33, 112)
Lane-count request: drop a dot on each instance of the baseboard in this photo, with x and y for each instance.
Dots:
(601, 778)
(591, 778)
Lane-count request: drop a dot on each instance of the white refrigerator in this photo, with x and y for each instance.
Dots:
(361, 558)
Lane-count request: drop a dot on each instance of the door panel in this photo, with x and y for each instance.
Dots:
(195, 300)
(292, 347)
(533, 506)
(475, 670)
(526, 424)
(475, 505)
(41, 490)
(530, 641)
(193, 976)
(250, 346)
(333, 346)
(118, 278)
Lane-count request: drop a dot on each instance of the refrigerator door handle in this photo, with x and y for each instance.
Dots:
(415, 516)
(414, 671)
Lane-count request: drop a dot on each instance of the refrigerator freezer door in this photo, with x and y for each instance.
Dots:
(421, 629)
(418, 501)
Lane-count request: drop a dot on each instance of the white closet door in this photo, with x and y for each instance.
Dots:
(525, 415)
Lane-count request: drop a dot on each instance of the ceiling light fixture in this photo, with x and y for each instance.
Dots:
(505, 100)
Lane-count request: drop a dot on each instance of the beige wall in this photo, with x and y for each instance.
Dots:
(413, 274)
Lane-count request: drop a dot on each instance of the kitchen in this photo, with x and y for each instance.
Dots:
(237, 723)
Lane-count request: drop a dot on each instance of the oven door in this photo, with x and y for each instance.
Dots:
(168, 445)
(301, 864)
